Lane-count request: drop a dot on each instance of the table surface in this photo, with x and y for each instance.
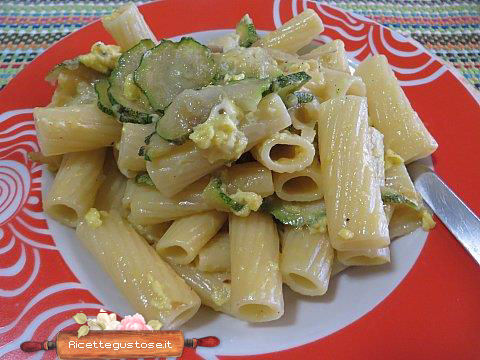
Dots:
(447, 28)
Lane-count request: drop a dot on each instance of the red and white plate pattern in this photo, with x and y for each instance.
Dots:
(432, 312)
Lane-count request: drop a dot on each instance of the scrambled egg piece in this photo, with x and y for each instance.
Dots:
(93, 218)
(130, 90)
(237, 77)
(392, 158)
(319, 227)
(101, 57)
(345, 233)
(220, 134)
(251, 201)
(161, 300)
(427, 220)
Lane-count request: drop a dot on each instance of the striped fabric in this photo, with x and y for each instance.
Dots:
(448, 28)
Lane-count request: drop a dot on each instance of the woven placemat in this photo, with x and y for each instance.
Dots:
(449, 29)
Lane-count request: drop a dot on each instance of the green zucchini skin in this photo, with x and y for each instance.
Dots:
(103, 103)
(127, 110)
(171, 67)
(390, 196)
(144, 179)
(298, 97)
(216, 194)
(246, 31)
(284, 85)
(295, 214)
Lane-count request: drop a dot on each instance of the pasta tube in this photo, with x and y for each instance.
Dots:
(127, 26)
(304, 118)
(249, 177)
(306, 261)
(331, 55)
(294, 34)
(186, 236)
(110, 193)
(148, 206)
(132, 139)
(391, 112)
(215, 255)
(284, 152)
(338, 83)
(355, 216)
(75, 186)
(256, 279)
(304, 185)
(212, 288)
(68, 129)
(364, 257)
(148, 283)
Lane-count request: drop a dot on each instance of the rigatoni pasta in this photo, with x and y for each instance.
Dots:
(355, 216)
(392, 113)
(331, 55)
(158, 144)
(304, 185)
(256, 279)
(364, 257)
(215, 255)
(127, 26)
(62, 130)
(284, 152)
(295, 33)
(183, 240)
(148, 206)
(306, 261)
(132, 139)
(149, 283)
(75, 186)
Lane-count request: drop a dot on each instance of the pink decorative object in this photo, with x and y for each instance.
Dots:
(135, 322)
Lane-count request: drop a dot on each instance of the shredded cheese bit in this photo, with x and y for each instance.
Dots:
(101, 57)
(345, 233)
(251, 201)
(392, 159)
(93, 218)
(427, 220)
(219, 135)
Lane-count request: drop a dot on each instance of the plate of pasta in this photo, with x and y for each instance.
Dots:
(240, 173)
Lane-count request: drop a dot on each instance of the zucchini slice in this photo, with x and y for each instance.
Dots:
(297, 214)
(193, 107)
(216, 194)
(247, 32)
(253, 62)
(287, 84)
(103, 102)
(390, 196)
(144, 179)
(169, 68)
(127, 110)
(298, 97)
